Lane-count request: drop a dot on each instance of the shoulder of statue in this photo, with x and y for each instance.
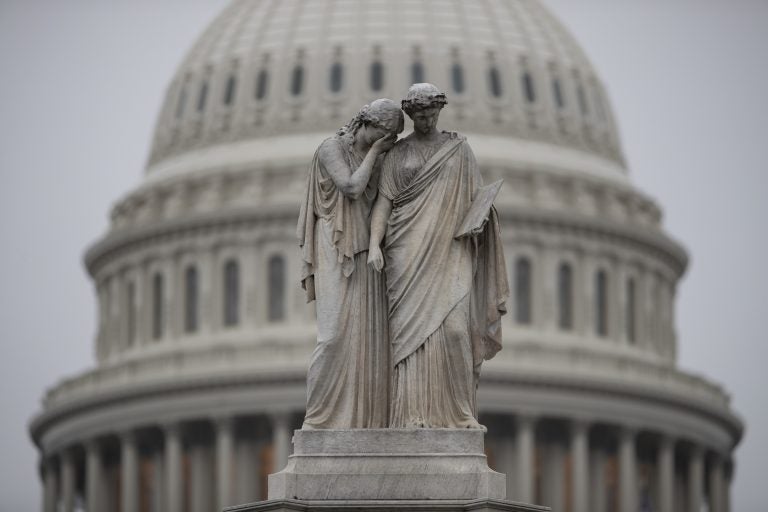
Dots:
(456, 136)
(330, 147)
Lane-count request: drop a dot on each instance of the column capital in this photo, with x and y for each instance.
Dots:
(223, 421)
(580, 425)
(527, 419)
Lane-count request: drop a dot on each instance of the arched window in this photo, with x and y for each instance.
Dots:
(262, 82)
(202, 96)
(276, 288)
(229, 91)
(601, 303)
(523, 291)
(530, 92)
(182, 102)
(417, 72)
(157, 306)
(557, 91)
(297, 80)
(583, 106)
(231, 293)
(337, 77)
(457, 78)
(190, 299)
(494, 82)
(130, 316)
(377, 75)
(565, 296)
(629, 322)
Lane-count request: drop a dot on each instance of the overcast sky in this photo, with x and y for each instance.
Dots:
(82, 81)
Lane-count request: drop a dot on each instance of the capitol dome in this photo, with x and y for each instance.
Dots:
(203, 332)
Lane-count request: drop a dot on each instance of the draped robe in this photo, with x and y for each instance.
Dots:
(348, 377)
(445, 296)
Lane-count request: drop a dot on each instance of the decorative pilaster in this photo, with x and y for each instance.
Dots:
(627, 471)
(716, 485)
(129, 474)
(666, 470)
(281, 437)
(580, 465)
(93, 476)
(224, 440)
(173, 482)
(524, 440)
(695, 479)
(597, 480)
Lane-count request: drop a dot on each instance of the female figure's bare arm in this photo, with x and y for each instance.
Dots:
(352, 182)
(379, 218)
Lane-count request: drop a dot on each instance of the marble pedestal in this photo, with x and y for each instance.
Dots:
(386, 470)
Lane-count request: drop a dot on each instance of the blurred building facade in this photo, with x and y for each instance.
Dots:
(203, 331)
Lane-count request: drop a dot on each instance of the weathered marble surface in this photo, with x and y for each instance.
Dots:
(388, 506)
(388, 464)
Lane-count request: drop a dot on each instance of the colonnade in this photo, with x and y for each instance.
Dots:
(578, 466)
(197, 465)
(205, 464)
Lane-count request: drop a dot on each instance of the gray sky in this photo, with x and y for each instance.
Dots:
(82, 82)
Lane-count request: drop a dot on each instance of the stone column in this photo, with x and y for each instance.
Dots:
(158, 481)
(695, 479)
(50, 485)
(627, 471)
(224, 440)
(201, 476)
(553, 488)
(506, 460)
(67, 481)
(727, 488)
(93, 476)
(716, 485)
(580, 465)
(666, 469)
(524, 448)
(129, 472)
(173, 483)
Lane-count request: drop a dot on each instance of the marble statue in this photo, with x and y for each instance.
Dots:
(445, 293)
(349, 374)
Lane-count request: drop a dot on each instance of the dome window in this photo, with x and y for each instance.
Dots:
(190, 299)
(457, 78)
(557, 91)
(130, 317)
(601, 303)
(181, 102)
(336, 77)
(494, 82)
(581, 97)
(262, 80)
(565, 297)
(630, 322)
(523, 287)
(231, 293)
(417, 72)
(202, 96)
(297, 80)
(229, 92)
(157, 306)
(377, 75)
(276, 288)
(528, 89)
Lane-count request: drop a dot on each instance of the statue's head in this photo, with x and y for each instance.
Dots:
(382, 116)
(423, 97)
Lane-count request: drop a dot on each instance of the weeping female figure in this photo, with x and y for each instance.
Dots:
(349, 374)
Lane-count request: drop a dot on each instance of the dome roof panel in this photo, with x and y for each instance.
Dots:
(294, 43)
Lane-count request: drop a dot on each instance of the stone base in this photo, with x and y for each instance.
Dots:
(386, 465)
(387, 506)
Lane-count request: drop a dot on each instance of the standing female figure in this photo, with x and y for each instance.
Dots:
(446, 293)
(349, 378)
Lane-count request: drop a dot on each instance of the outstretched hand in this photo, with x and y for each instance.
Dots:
(375, 258)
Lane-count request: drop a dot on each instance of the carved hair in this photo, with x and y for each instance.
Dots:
(378, 113)
(422, 97)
